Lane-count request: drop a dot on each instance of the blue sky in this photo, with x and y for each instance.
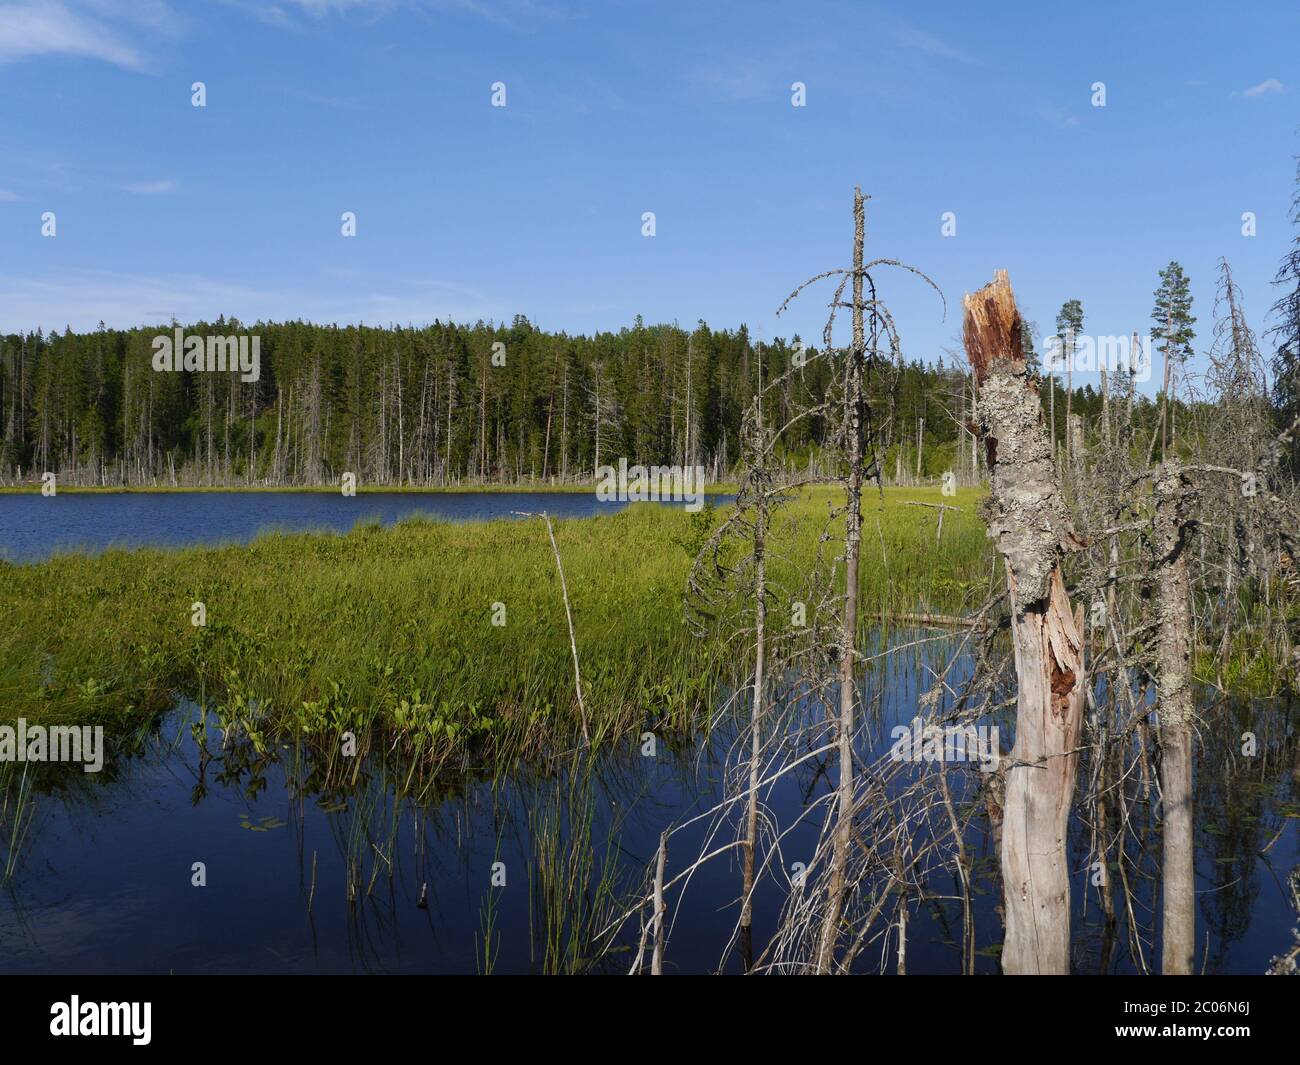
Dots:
(613, 109)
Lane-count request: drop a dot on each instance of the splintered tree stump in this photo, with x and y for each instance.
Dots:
(1028, 523)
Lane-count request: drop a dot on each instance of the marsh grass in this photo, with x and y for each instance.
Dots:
(385, 805)
(530, 488)
(576, 887)
(387, 632)
(17, 807)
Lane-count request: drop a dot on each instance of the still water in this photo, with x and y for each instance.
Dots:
(33, 527)
(307, 877)
(520, 873)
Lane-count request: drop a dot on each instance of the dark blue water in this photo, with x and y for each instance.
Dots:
(305, 877)
(104, 878)
(34, 527)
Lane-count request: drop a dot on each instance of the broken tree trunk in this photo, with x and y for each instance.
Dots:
(1028, 523)
(657, 956)
(1172, 491)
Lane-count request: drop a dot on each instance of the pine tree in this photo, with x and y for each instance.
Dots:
(1028, 330)
(1172, 323)
(1069, 324)
(1286, 330)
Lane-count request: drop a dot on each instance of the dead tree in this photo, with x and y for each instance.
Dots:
(878, 838)
(1028, 522)
(729, 591)
(854, 404)
(871, 322)
(756, 733)
(1173, 617)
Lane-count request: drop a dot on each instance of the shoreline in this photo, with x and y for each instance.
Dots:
(525, 487)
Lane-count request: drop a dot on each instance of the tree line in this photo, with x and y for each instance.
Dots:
(456, 404)
(437, 405)
(453, 404)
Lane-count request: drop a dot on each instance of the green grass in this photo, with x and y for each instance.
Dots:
(386, 632)
(571, 488)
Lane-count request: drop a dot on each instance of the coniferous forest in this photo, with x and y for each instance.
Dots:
(428, 547)
(453, 404)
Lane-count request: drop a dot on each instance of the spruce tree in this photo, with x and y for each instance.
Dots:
(1069, 324)
(1286, 330)
(1172, 322)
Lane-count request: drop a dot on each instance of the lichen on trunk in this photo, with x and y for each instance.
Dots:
(1027, 521)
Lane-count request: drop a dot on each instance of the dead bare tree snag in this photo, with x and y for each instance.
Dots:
(859, 461)
(568, 616)
(848, 692)
(1027, 520)
(1178, 932)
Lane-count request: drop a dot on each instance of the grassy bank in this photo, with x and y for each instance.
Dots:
(387, 632)
(571, 488)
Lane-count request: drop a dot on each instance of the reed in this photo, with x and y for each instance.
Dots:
(388, 633)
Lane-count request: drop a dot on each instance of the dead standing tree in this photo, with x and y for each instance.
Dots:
(1169, 573)
(858, 462)
(709, 587)
(730, 588)
(1173, 492)
(854, 406)
(1226, 506)
(783, 734)
(1028, 522)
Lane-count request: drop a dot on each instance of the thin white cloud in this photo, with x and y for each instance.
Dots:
(1264, 88)
(151, 188)
(113, 31)
(740, 77)
(281, 13)
(745, 70)
(324, 7)
(80, 299)
(1058, 116)
(38, 29)
(912, 36)
(9, 197)
(510, 14)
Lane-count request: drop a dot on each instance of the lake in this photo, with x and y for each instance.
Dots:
(33, 527)
(385, 872)
(306, 876)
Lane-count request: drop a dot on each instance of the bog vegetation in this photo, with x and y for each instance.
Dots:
(1130, 555)
(391, 630)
